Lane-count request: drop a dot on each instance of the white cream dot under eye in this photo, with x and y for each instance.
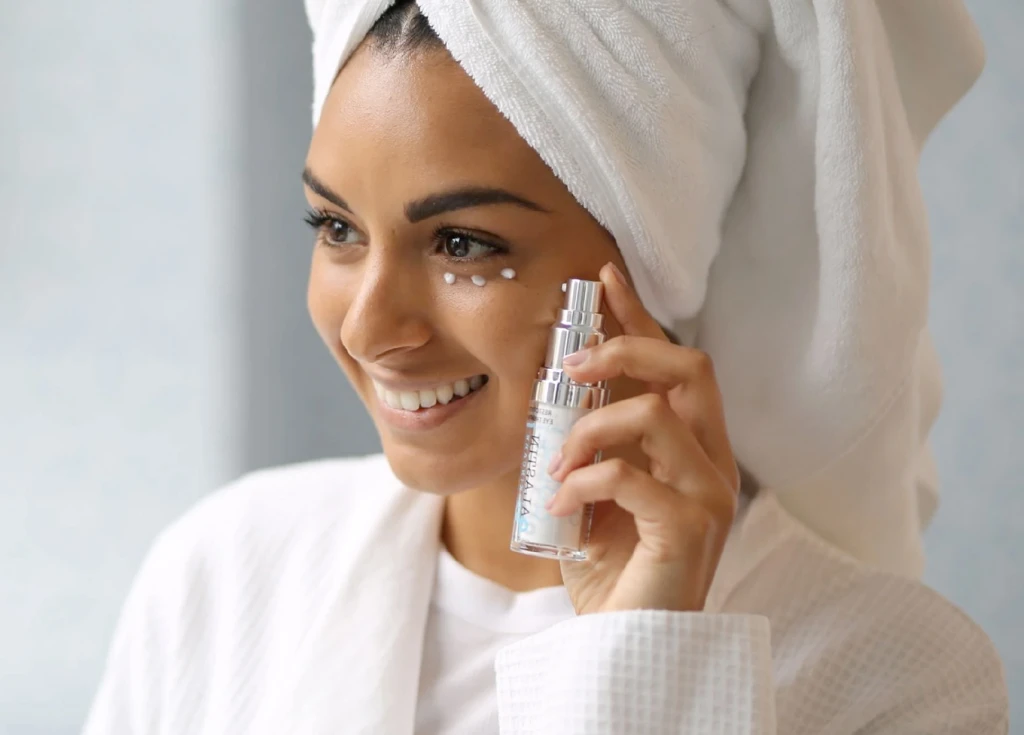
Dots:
(507, 273)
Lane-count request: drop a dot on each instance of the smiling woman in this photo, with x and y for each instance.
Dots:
(519, 146)
(380, 302)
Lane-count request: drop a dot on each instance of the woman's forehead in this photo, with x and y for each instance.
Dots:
(418, 121)
(423, 99)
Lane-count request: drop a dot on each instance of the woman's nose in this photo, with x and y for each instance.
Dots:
(388, 315)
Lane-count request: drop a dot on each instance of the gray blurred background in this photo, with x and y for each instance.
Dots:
(154, 341)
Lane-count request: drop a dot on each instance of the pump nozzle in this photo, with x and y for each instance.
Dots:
(583, 295)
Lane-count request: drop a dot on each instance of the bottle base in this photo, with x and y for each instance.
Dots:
(548, 552)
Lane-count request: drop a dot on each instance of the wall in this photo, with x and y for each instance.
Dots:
(973, 173)
(154, 341)
(296, 403)
(118, 341)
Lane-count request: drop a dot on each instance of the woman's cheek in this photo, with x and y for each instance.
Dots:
(328, 298)
(321, 302)
(519, 332)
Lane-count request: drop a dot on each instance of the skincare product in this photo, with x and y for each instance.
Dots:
(557, 403)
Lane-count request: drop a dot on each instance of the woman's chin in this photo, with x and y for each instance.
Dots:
(446, 473)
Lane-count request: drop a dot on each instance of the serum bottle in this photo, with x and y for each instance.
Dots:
(557, 403)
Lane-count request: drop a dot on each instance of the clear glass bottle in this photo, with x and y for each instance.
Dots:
(557, 403)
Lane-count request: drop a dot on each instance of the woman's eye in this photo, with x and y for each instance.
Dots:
(337, 232)
(463, 247)
(330, 229)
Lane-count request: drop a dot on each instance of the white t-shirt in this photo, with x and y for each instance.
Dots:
(470, 618)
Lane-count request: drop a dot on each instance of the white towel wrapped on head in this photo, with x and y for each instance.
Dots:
(756, 162)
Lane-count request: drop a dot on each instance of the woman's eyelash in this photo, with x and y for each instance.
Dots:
(330, 229)
(444, 233)
(317, 218)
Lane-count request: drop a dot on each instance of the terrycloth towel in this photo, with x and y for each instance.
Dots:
(756, 162)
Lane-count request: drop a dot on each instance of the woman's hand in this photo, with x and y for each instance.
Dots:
(658, 532)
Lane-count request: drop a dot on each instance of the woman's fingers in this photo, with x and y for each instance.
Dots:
(643, 358)
(645, 420)
(624, 305)
(675, 455)
(686, 421)
(615, 479)
(668, 521)
(685, 376)
(688, 379)
(702, 410)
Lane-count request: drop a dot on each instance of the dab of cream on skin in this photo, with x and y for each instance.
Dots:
(507, 273)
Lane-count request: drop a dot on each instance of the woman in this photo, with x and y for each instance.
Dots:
(379, 594)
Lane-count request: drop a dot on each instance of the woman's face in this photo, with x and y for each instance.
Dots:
(413, 174)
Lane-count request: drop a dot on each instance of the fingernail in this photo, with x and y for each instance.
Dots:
(576, 358)
(551, 503)
(556, 462)
(618, 275)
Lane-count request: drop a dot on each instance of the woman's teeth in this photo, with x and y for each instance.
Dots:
(444, 394)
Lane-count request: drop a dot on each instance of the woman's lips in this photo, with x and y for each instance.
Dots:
(425, 418)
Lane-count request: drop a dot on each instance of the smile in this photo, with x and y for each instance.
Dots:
(441, 394)
(427, 407)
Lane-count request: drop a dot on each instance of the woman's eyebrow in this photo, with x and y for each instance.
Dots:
(322, 190)
(435, 204)
(470, 196)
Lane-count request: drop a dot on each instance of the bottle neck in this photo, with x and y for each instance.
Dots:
(575, 331)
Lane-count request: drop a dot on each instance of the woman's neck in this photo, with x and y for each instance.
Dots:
(476, 530)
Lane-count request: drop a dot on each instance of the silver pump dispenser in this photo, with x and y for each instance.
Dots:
(579, 325)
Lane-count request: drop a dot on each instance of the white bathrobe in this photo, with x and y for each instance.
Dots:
(294, 601)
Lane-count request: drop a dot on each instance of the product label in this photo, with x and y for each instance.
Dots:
(546, 431)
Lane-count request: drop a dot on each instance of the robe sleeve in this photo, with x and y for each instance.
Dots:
(129, 698)
(670, 673)
(643, 671)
